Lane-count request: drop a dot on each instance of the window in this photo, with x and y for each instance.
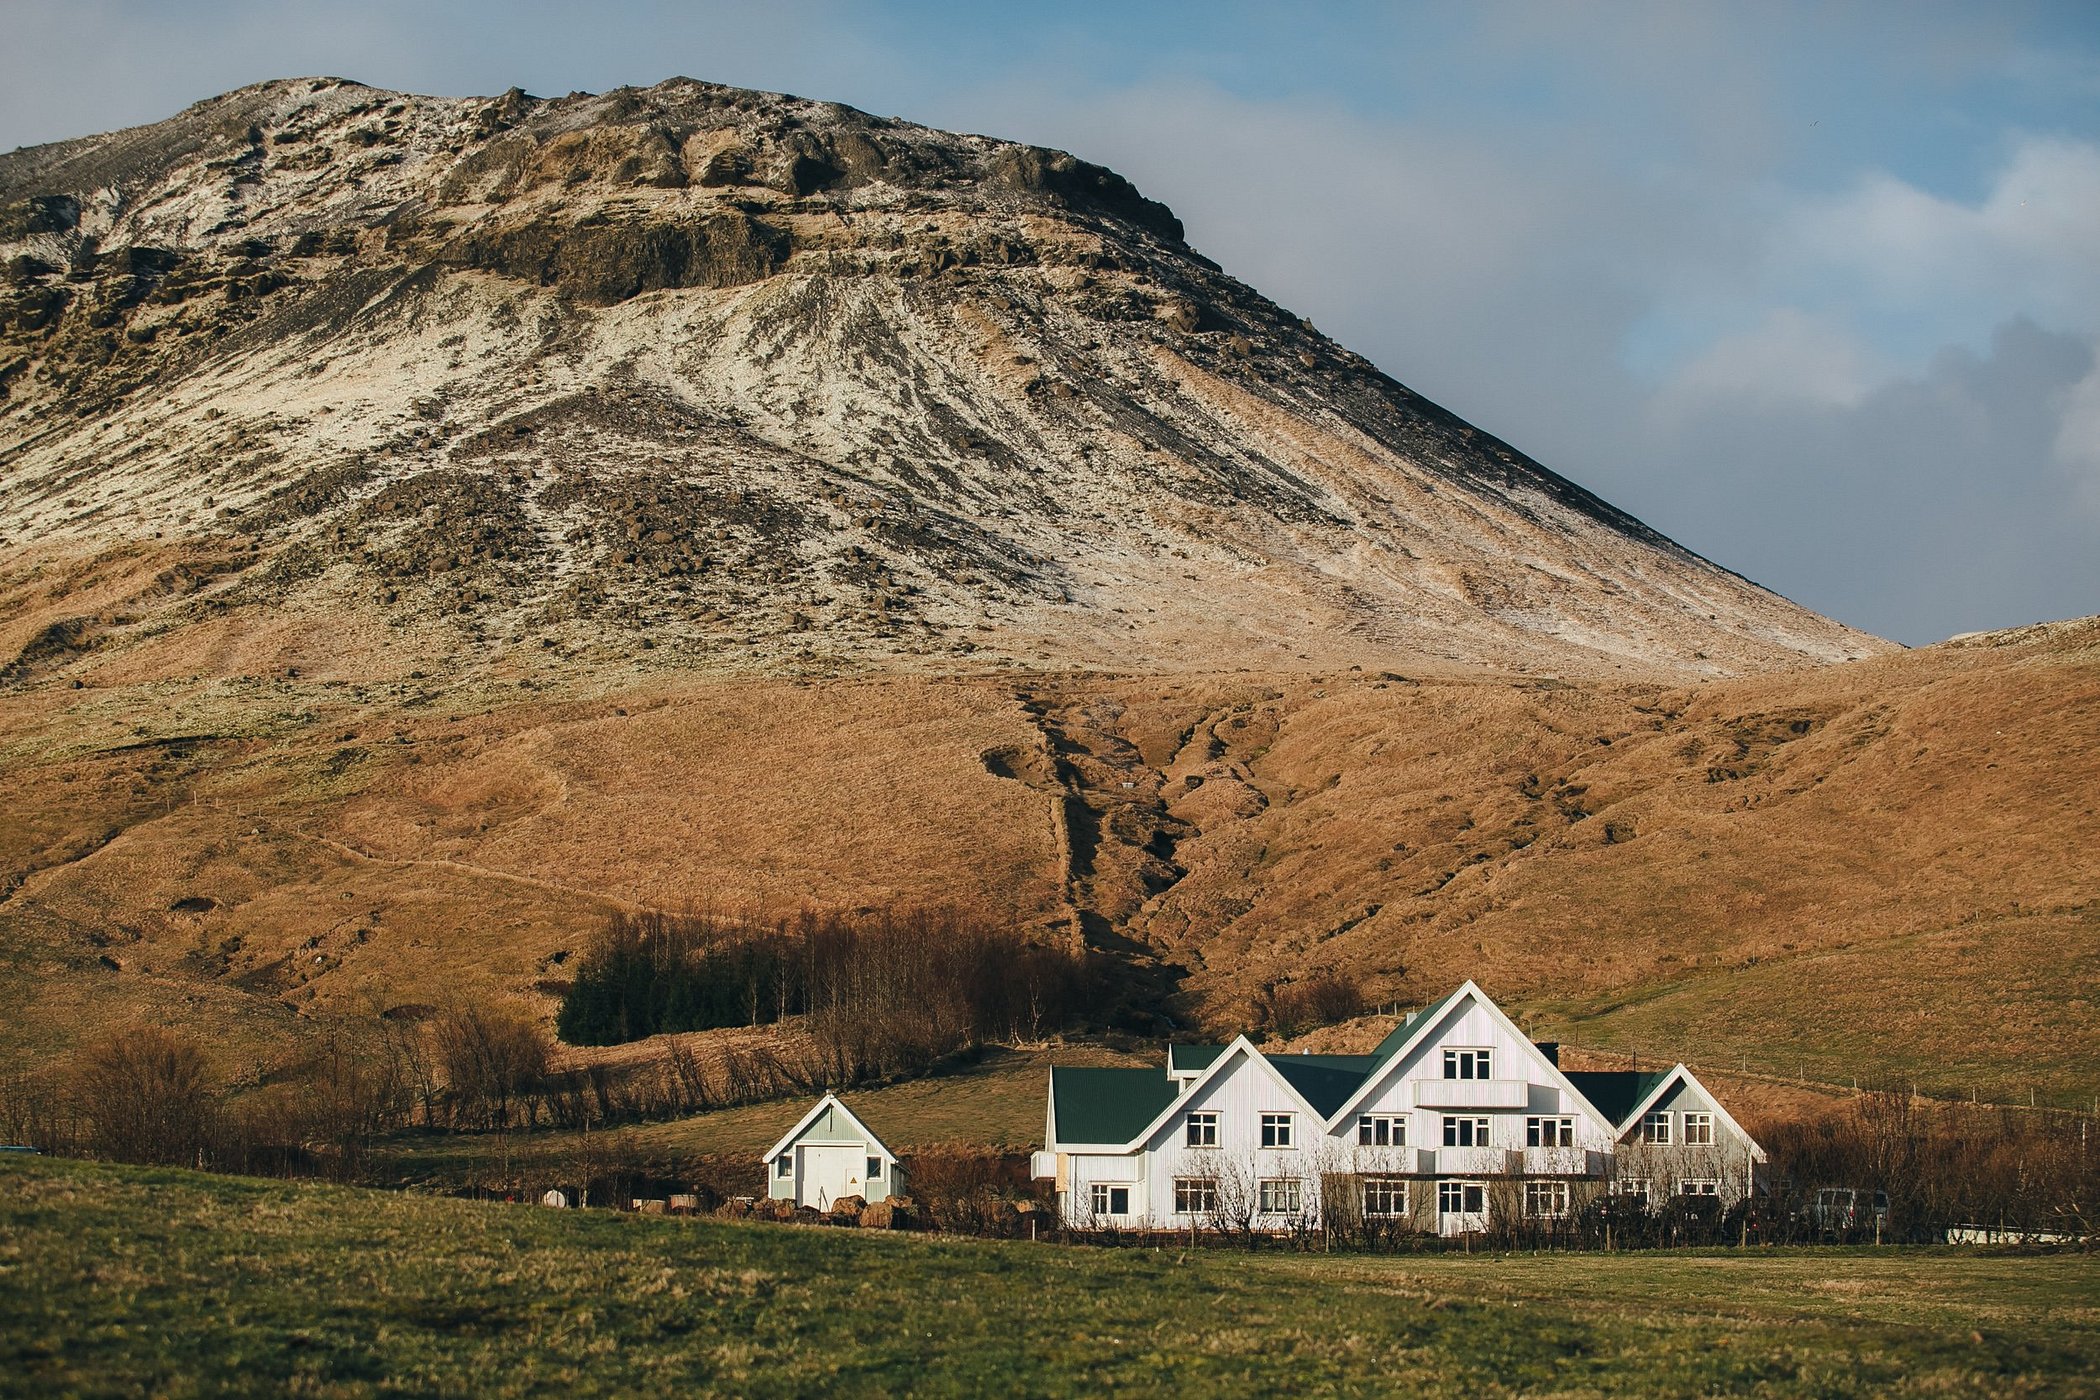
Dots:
(1202, 1130)
(1195, 1196)
(874, 1169)
(1111, 1200)
(785, 1167)
(1276, 1129)
(1545, 1200)
(1381, 1130)
(1465, 1132)
(1698, 1130)
(1461, 1197)
(1698, 1186)
(1281, 1196)
(1632, 1188)
(1549, 1132)
(1384, 1197)
(1468, 1064)
(1655, 1127)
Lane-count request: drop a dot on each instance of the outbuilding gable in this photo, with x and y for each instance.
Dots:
(831, 1123)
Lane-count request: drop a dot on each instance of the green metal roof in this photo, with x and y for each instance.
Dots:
(1107, 1105)
(1405, 1031)
(1615, 1092)
(1325, 1081)
(1193, 1057)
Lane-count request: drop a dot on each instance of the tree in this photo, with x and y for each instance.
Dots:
(148, 1096)
(493, 1057)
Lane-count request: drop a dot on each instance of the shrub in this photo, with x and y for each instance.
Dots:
(148, 1096)
(494, 1060)
(1319, 1000)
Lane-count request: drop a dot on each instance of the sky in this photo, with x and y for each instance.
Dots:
(1814, 288)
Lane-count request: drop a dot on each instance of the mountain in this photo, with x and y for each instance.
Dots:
(698, 377)
(433, 525)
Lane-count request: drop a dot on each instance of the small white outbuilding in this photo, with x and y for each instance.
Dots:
(829, 1156)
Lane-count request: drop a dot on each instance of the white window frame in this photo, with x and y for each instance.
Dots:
(1560, 1129)
(1188, 1190)
(784, 1166)
(1655, 1128)
(1698, 1129)
(1478, 1129)
(1280, 1195)
(1101, 1195)
(1395, 1191)
(1698, 1186)
(1556, 1194)
(1393, 1125)
(1201, 1130)
(1634, 1187)
(1445, 1189)
(1469, 1062)
(1279, 1130)
(874, 1169)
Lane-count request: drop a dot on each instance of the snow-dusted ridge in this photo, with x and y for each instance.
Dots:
(712, 378)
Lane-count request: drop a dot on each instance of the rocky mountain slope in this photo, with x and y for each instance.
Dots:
(430, 526)
(699, 377)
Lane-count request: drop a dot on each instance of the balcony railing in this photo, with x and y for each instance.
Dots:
(1472, 1093)
(1559, 1161)
(1475, 1161)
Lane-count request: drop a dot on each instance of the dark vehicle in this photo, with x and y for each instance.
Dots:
(1849, 1212)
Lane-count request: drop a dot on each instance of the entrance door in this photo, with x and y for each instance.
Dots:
(1461, 1207)
(829, 1173)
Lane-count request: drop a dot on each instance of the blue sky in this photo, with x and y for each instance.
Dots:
(1813, 288)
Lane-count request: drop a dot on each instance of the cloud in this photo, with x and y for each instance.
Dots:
(2077, 445)
(1878, 401)
(1790, 355)
(1936, 502)
(2032, 242)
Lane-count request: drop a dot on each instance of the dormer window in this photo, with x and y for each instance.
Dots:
(1469, 1064)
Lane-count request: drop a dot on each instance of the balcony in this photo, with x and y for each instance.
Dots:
(1472, 1093)
(1559, 1161)
(1474, 1161)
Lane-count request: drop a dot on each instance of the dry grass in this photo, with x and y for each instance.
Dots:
(1902, 886)
(995, 1102)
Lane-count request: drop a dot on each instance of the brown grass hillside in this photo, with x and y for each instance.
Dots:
(1881, 869)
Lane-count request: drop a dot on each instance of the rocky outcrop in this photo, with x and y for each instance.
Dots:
(605, 262)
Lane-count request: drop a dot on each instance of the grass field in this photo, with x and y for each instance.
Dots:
(995, 1102)
(118, 1281)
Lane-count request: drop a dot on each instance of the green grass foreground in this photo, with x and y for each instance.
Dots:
(124, 1281)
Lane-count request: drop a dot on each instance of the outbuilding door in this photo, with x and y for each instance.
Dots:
(829, 1173)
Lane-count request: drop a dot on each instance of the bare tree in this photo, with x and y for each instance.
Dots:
(493, 1059)
(148, 1095)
